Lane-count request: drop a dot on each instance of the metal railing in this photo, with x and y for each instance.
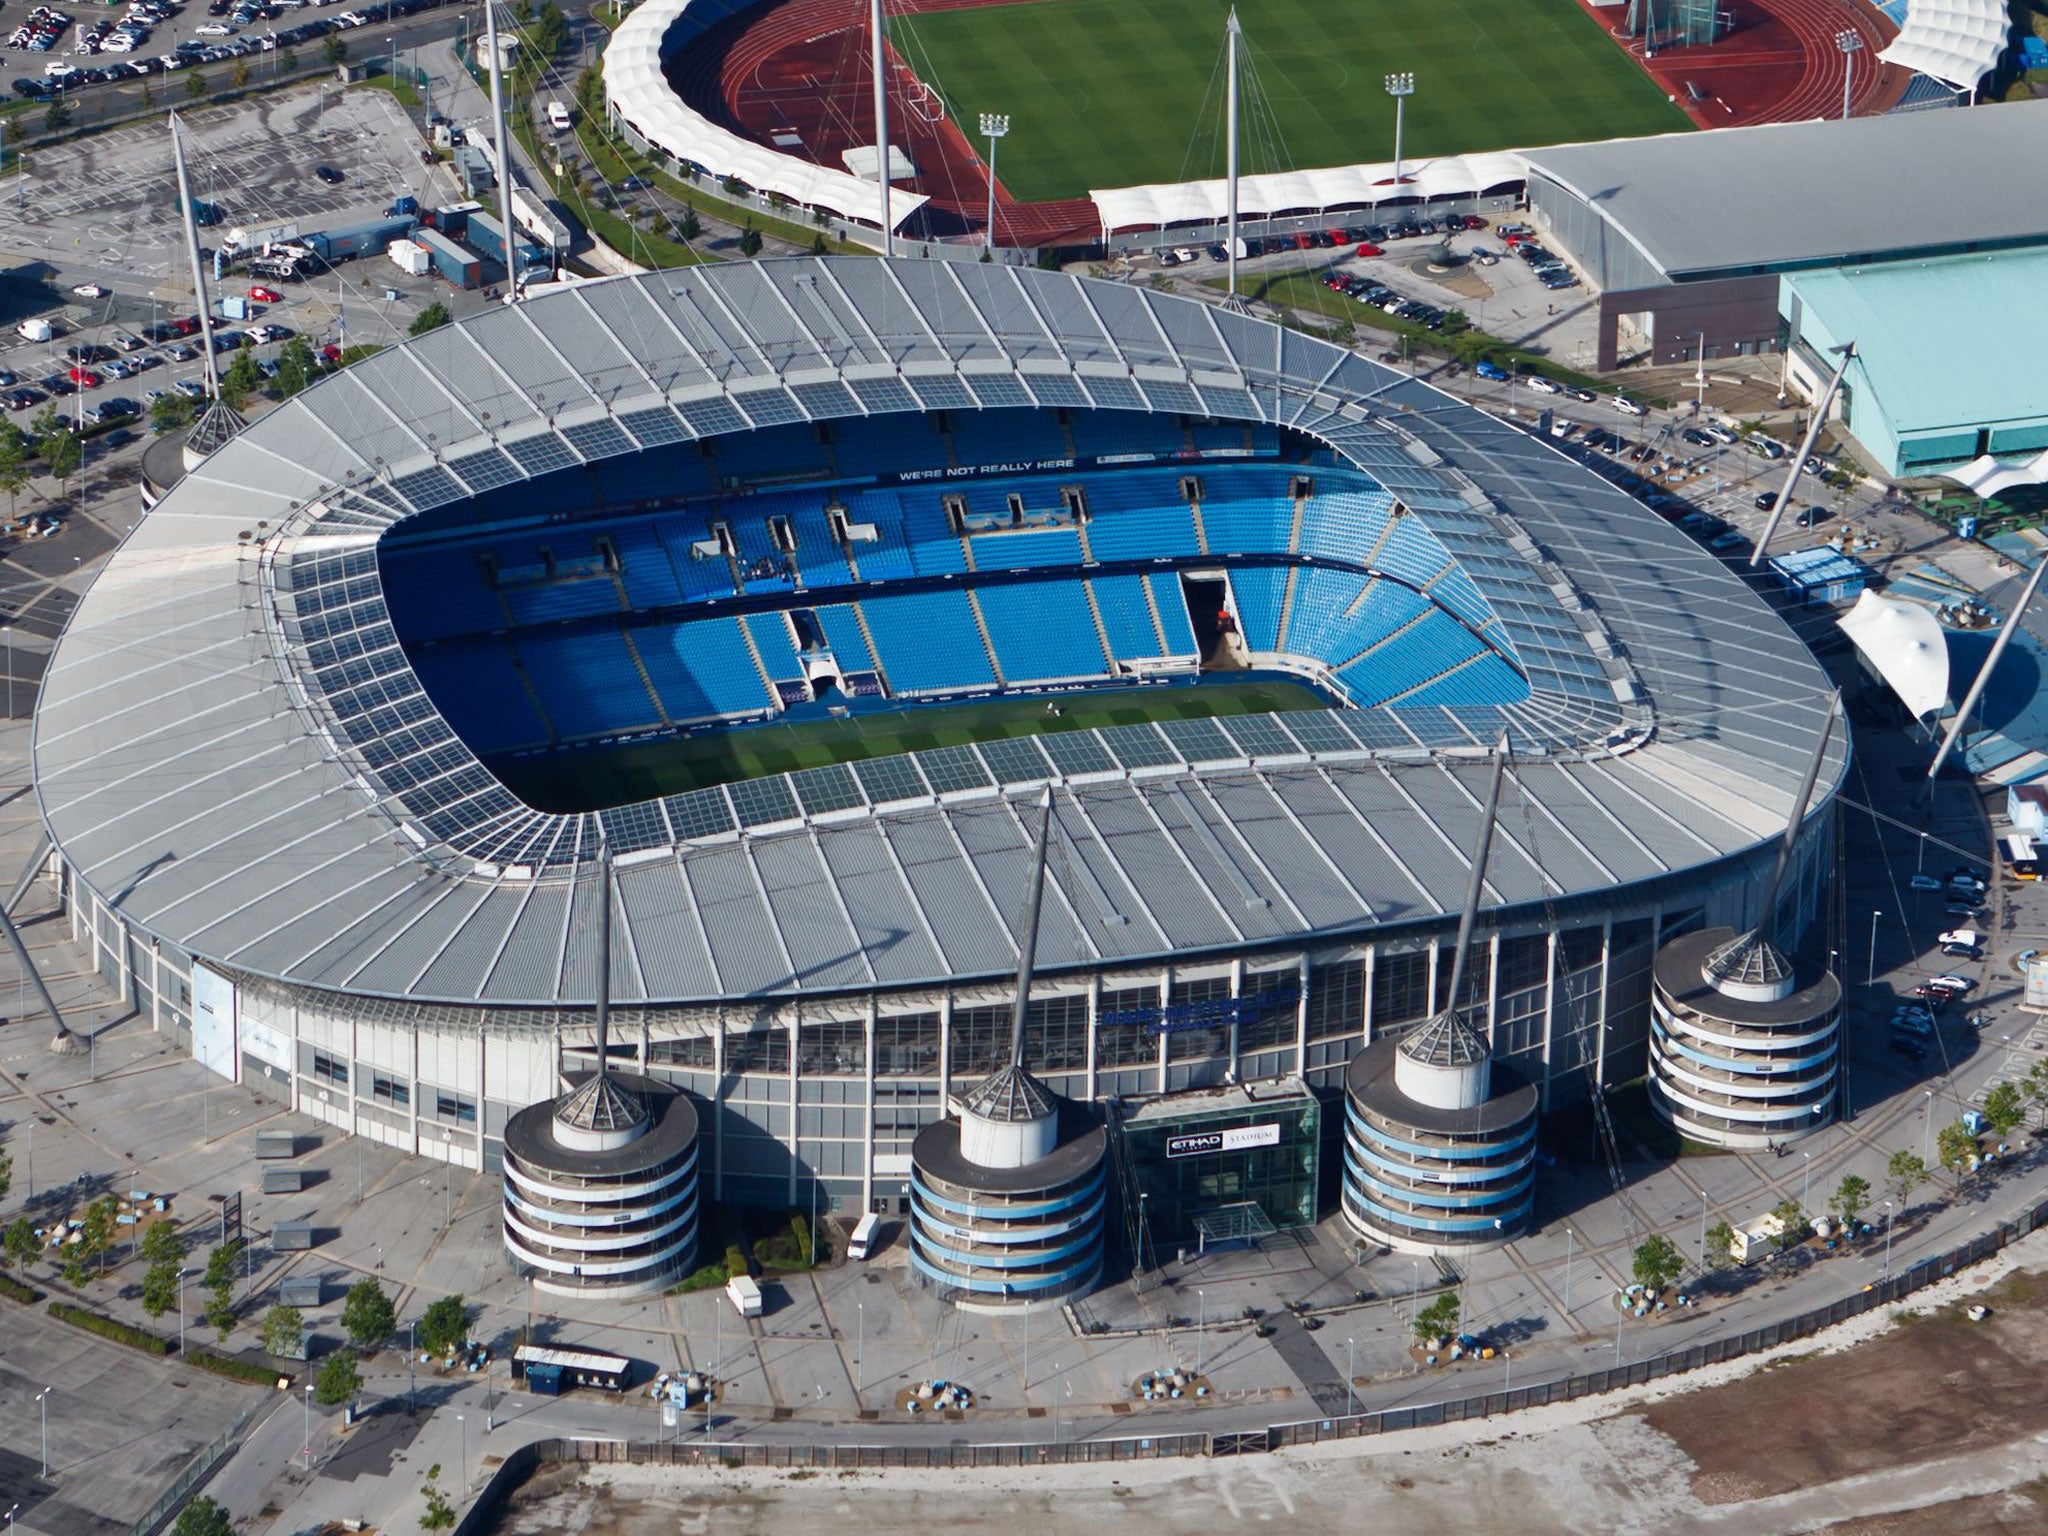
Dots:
(200, 1468)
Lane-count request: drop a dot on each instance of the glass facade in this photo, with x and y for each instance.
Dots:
(1186, 1162)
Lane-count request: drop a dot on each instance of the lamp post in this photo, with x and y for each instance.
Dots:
(464, 1423)
(1703, 1231)
(1870, 975)
(307, 1418)
(182, 1273)
(1567, 1277)
(43, 1402)
(1887, 1240)
(1850, 41)
(412, 1400)
(1350, 1377)
(1806, 1184)
(993, 126)
(860, 1345)
(1927, 1127)
(1400, 87)
(1201, 1328)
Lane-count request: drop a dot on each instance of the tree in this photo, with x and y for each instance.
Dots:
(14, 471)
(366, 1315)
(1657, 1261)
(1850, 1198)
(146, 99)
(20, 1242)
(691, 226)
(2004, 1109)
(432, 318)
(220, 1312)
(161, 1244)
(2035, 1085)
(159, 1289)
(334, 48)
(295, 366)
(1792, 1226)
(238, 77)
(62, 454)
(58, 118)
(288, 60)
(1904, 1173)
(203, 1517)
(170, 412)
(241, 380)
(444, 1325)
(196, 86)
(220, 1266)
(338, 1380)
(750, 240)
(99, 1227)
(284, 1332)
(1455, 321)
(819, 248)
(1956, 1148)
(1439, 1318)
(440, 1513)
(1720, 1245)
(6, 1174)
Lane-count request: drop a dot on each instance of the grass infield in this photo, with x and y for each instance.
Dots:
(1111, 93)
(642, 771)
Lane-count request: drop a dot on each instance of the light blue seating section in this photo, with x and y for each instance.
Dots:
(772, 638)
(1139, 516)
(1489, 680)
(1243, 524)
(1126, 617)
(842, 633)
(1316, 624)
(475, 684)
(1042, 629)
(1412, 553)
(1173, 615)
(586, 681)
(1344, 524)
(1022, 549)
(1419, 654)
(1259, 591)
(702, 669)
(928, 641)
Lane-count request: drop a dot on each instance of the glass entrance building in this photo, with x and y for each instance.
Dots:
(1221, 1162)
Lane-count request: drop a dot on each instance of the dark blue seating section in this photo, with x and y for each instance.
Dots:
(477, 685)
(586, 681)
(702, 669)
(1042, 630)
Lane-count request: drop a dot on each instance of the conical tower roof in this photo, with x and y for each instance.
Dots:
(1009, 1096)
(600, 1105)
(216, 426)
(1749, 963)
(1445, 1041)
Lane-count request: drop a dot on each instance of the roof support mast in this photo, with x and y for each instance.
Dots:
(1820, 415)
(211, 361)
(1233, 35)
(604, 956)
(1475, 886)
(498, 144)
(881, 125)
(1955, 730)
(1027, 948)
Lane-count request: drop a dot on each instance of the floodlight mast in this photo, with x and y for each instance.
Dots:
(1820, 414)
(882, 124)
(604, 956)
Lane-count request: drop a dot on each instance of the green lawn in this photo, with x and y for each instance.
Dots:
(623, 775)
(1110, 93)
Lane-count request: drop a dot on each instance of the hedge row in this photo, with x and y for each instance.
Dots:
(14, 1290)
(108, 1328)
(238, 1370)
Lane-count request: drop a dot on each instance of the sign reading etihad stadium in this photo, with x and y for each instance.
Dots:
(1234, 1139)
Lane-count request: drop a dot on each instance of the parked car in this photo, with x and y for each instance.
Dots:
(1630, 407)
(328, 174)
(266, 295)
(1493, 371)
(1543, 386)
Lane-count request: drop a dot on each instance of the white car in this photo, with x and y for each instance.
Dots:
(1955, 984)
(1544, 386)
(1629, 407)
(91, 291)
(1969, 936)
(191, 389)
(216, 29)
(59, 69)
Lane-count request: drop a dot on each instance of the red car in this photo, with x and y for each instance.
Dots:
(187, 326)
(330, 353)
(85, 378)
(1369, 249)
(266, 295)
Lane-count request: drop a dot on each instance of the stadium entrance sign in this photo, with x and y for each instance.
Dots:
(1234, 1139)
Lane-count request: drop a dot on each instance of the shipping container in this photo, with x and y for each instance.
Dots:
(338, 245)
(410, 257)
(283, 1181)
(459, 267)
(487, 236)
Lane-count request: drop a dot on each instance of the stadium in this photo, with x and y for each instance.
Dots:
(797, 584)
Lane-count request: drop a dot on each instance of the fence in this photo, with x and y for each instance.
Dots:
(872, 1457)
(200, 1468)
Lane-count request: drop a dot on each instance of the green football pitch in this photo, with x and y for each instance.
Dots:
(1111, 93)
(623, 775)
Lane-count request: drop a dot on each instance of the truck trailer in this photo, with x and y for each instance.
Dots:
(461, 268)
(521, 259)
(373, 239)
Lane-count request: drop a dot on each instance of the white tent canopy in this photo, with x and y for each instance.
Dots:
(639, 95)
(1958, 42)
(1343, 186)
(1903, 642)
(1987, 476)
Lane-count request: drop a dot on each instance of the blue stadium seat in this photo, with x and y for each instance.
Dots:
(586, 681)
(1042, 629)
(1126, 616)
(1343, 524)
(928, 641)
(777, 646)
(476, 686)
(1004, 437)
(1099, 432)
(1138, 516)
(1173, 615)
(1026, 548)
(1410, 659)
(435, 593)
(577, 599)
(1412, 553)
(887, 445)
(1488, 680)
(702, 668)
(1258, 592)
(842, 633)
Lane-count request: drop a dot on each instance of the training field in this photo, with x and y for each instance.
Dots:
(623, 775)
(1110, 93)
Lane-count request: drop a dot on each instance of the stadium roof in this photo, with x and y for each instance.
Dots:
(1784, 195)
(232, 750)
(1958, 42)
(1309, 191)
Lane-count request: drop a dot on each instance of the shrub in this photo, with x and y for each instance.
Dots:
(14, 1290)
(110, 1328)
(233, 1369)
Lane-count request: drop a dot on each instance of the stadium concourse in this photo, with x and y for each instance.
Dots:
(682, 506)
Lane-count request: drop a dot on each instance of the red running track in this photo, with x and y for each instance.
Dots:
(800, 71)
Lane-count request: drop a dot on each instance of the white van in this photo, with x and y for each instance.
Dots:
(866, 1237)
(558, 117)
(35, 330)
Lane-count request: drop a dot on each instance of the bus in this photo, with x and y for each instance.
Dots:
(2021, 857)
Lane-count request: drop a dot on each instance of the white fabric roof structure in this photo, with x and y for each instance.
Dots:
(1903, 641)
(638, 95)
(1958, 42)
(1987, 476)
(1342, 186)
